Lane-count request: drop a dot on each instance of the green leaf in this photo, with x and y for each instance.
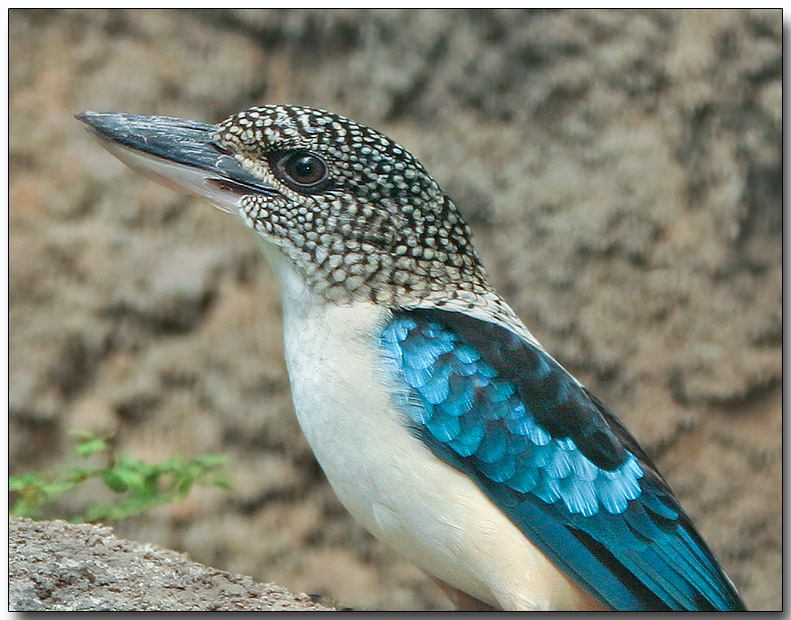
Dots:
(140, 486)
(56, 488)
(184, 483)
(152, 485)
(114, 481)
(90, 446)
(16, 483)
(134, 480)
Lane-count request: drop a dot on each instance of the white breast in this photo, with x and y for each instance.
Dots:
(387, 479)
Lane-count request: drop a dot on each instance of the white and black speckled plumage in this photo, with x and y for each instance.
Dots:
(384, 231)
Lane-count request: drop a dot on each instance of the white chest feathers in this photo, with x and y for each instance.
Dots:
(386, 477)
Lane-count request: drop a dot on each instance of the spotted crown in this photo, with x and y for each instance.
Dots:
(378, 227)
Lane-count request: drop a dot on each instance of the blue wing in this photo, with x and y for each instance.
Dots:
(554, 459)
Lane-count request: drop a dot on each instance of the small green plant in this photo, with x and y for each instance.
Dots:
(137, 486)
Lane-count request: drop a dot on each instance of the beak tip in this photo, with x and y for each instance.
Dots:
(99, 123)
(86, 116)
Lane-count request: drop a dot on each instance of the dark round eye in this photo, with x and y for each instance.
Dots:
(303, 171)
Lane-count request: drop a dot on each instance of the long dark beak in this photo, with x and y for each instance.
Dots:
(176, 152)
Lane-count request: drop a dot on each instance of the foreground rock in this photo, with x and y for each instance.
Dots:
(59, 566)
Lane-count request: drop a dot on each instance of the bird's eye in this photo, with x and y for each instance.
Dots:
(302, 171)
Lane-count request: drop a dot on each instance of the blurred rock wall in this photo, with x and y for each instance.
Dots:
(621, 171)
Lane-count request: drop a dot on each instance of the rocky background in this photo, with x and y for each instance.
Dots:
(621, 171)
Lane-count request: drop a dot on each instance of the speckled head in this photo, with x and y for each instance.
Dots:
(356, 212)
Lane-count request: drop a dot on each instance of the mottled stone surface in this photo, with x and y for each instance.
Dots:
(59, 566)
(621, 172)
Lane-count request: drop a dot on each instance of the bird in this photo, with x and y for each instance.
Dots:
(441, 423)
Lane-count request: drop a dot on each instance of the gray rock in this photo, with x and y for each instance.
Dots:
(59, 566)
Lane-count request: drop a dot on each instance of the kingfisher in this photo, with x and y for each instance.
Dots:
(441, 423)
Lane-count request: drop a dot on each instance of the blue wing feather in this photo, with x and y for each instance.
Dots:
(554, 459)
